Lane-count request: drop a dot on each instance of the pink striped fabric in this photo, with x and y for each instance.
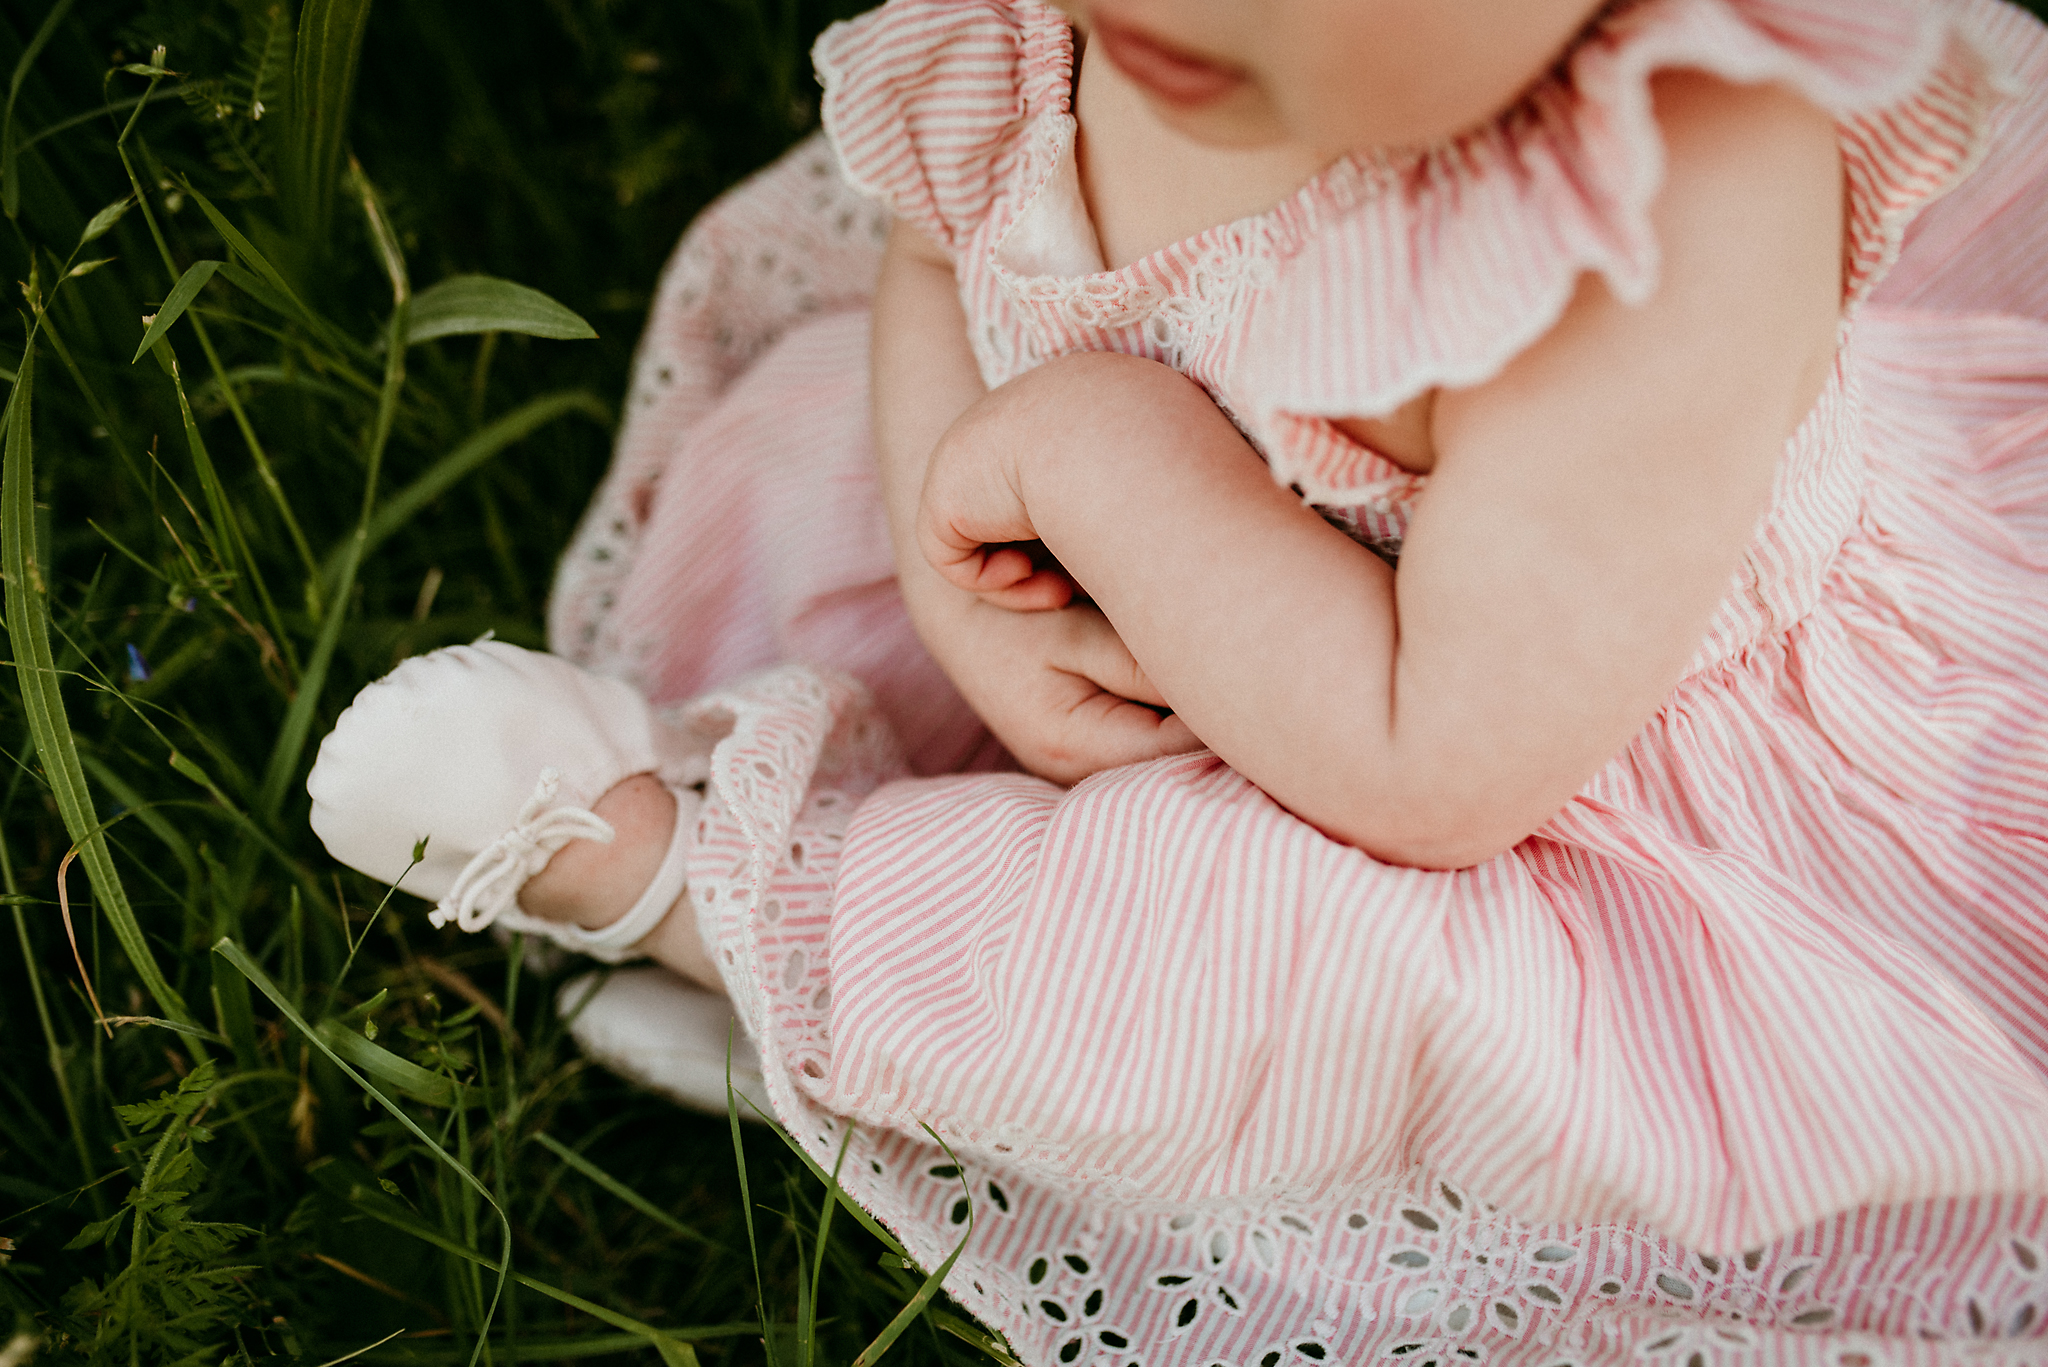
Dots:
(1743, 1057)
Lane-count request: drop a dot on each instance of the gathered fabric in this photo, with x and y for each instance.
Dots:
(1741, 1058)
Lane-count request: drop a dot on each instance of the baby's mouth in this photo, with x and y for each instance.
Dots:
(1177, 77)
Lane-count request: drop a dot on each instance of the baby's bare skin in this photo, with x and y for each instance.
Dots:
(592, 885)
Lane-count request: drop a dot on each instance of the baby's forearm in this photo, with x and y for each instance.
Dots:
(923, 377)
(1271, 634)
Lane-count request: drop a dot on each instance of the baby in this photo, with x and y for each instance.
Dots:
(1541, 668)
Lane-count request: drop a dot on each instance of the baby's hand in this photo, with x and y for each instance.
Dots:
(1049, 674)
(972, 523)
(1057, 686)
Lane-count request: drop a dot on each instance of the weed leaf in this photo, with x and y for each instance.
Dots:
(484, 303)
(181, 297)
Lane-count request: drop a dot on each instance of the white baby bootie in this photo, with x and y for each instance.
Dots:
(496, 754)
(664, 1032)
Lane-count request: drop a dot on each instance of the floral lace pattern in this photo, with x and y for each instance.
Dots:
(792, 242)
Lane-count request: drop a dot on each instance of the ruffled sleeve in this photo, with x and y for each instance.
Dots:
(924, 100)
(1468, 252)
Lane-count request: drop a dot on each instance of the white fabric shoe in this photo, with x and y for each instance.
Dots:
(665, 1032)
(493, 755)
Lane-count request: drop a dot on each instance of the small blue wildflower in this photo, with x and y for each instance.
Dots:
(138, 668)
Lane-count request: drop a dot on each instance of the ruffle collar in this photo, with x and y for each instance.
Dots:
(1394, 273)
(1466, 253)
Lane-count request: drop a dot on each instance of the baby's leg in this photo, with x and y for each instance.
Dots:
(592, 885)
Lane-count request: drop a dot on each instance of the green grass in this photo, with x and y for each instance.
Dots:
(187, 610)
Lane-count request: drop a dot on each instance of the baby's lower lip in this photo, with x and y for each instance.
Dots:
(1172, 76)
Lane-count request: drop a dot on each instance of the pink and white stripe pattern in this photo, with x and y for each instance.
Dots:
(1743, 1057)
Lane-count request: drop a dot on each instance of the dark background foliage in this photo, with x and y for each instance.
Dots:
(562, 144)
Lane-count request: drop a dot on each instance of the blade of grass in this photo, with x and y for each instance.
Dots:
(48, 328)
(267, 286)
(55, 1051)
(533, 1349)
(253, 971)
(349, 1357)
(189, 1031)
(298, 718)
(237, 1020)
(42, 700)
(180, 298)
(377, 1206)
(852, 1207)
(64, 125)
(617, 1188)
(450, 469)
(739, 1154)
(388, 250)
(218, 525)
(807, 1327)
(330, 40)
(256, 453)
(10, 170)
(400, 1075)
(909, 1313)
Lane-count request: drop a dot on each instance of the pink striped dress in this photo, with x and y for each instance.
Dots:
(1741, 1058)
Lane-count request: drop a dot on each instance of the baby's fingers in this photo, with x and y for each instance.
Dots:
(1113, 731)
(1044, 591)
(1093, 650)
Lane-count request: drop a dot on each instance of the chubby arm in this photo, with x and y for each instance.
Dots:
(1586, 511)
(1058, 687)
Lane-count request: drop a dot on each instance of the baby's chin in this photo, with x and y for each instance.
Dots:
(1249, 122)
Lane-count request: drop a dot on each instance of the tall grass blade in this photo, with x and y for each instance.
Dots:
(483, 303)
(388, 250)
(739, 1154)
(28, 632)
(262, 280)
(807, 1327)
(330, 40)
(10, 157)
(867, 1221)
(237, 1021)
(617, 1188)
(445, 473)
(332, 1174)
(298, 717)
(400, 1075)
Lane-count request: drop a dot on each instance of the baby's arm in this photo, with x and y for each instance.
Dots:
(1057, 685)
(1586, 511)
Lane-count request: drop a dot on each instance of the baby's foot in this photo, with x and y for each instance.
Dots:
(520, 771)
(594, 885)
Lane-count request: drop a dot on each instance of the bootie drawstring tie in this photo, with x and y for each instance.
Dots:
(488, 886)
